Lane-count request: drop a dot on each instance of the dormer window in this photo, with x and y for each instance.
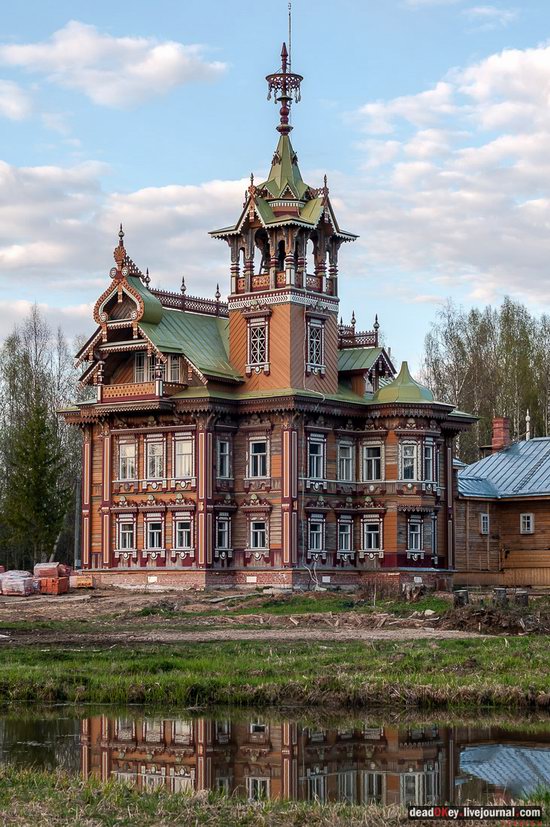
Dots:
(173, 369)
(143, 368)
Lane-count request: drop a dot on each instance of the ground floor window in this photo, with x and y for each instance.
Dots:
(258, 534)
(414, 535)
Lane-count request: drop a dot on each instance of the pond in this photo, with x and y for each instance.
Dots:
(267, 755)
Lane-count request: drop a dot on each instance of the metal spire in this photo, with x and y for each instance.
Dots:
(285, 86)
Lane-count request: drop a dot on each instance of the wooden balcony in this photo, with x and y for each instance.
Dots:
(137, 390)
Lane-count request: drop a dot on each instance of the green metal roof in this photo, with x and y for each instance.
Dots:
(153, 309)
(403, 389)
(357, 358)
(204, 340)
(344, 394)
(285, 173)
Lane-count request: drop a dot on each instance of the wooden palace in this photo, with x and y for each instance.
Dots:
(259, 441)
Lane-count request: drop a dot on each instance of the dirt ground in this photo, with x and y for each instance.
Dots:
(112, 617)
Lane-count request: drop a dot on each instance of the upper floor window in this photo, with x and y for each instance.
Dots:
(154, 454)
(346, 456)
(184, 463)
(143, 368)
(257, 466)
(408, 460)
(127, 454)
(315, 344)
(527, 523)
(316, 458)
(174, 368)
(223, 458)
(372, 462)
(257, 343)
(484, 523)
(429, 465)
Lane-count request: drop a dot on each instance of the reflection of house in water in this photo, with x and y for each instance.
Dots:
(260, 759)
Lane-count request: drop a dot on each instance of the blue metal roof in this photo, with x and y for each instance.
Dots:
(519, 770)
(521, 470)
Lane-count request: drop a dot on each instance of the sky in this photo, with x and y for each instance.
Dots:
(431, 119)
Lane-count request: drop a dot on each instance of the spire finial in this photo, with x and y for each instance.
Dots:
(183, 288)
(147, 278)
(218, 295)
(121, 235)
(376, 324)
(353, 318)
(285, 85)
(119, 252)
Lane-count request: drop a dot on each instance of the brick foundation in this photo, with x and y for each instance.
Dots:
(390, 582)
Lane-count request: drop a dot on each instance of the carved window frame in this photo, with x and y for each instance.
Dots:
(315, 365)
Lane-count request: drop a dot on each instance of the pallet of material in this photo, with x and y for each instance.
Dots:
(54, 585)
(81, 581)
(17, 585)
(51, 570)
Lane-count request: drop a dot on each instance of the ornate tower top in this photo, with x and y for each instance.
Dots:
(285, 87)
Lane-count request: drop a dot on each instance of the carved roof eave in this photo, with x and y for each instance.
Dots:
(89, 373)
(92, 412)
(115, 287)
(87, 349)
(437, 410)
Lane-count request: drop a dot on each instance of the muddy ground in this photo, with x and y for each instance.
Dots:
(111, 617)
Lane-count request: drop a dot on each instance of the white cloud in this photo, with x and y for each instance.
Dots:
(486, 18)
(111, 71)
(15, 102)
(450, 202)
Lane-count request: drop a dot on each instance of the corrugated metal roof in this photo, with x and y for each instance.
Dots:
(357, 358)
(203, 339)
(521, 470)
(519, 770)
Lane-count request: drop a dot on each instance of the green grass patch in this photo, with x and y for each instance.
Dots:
(489, 672)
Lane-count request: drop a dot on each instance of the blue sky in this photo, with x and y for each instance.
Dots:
(430, 117)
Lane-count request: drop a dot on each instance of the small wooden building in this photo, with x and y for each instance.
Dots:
(503, 514)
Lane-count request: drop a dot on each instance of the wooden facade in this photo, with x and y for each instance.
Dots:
(259, 441)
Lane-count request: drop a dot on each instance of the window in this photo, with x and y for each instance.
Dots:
(143, 368)
(315, 344)
(429, 461)
(258, 458)
(346, 786)
(316, 458)
(527, 523)
(223, 458)
(183, 458)
(183, 732)
(126, 535)
(408, 454)
(183, 533)
(155, 460)
(223, 532)
(257, 343)
(344, 535)
(371, 536)
(174, 369)
(372, 462)
(257, 788)
(414, 538)
(345, 462)
(484, 523)
(258, 534)
(127, 460)
(316, 531)
(257, 728)
(154, 534)
(373, 788)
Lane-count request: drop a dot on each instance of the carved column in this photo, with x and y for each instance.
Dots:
(205, 485)
(301, 264)
(249, 263)
(106, 497)
(321, 262)
(86, 494)
(235, 267)
(289, 498)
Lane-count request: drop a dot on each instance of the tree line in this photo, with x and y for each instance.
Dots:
(491, 362)
(39, 454)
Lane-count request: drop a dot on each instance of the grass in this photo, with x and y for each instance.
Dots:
(485, 672)
(28, 797)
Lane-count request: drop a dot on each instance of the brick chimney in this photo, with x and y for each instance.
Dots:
(501, 433)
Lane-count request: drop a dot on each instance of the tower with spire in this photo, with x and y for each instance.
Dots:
(284, 267)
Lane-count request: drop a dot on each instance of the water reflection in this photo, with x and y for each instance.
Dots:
(264, 758)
